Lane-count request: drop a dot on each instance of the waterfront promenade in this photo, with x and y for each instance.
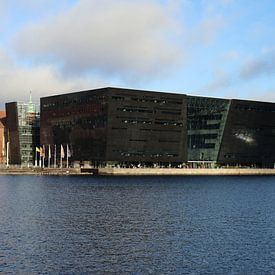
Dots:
(185, 172)
(39, 171)
(139, 171)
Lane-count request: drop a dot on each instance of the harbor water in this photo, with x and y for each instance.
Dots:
(137, 225)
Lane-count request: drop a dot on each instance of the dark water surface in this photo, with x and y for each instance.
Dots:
(138, 225)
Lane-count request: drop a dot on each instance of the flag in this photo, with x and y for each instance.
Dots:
(62, 152)
(49, 152)
(37, 149)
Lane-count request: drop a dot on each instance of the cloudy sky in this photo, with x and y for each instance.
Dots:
(221, 48)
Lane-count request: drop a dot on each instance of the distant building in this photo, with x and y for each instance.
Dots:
(23, 131)
(2, 138)
(117, 126)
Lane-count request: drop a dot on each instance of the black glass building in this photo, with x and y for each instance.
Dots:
(249, 134)
(231, 132)
(113, 125)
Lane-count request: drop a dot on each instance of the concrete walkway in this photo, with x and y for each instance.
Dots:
(184, 172)
(139, 172)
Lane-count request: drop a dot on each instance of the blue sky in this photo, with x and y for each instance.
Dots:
(220, 48)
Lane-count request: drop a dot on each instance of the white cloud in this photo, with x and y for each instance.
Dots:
(44, 80)
(132, 39)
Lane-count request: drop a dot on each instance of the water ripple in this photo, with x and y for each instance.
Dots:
(142, 225)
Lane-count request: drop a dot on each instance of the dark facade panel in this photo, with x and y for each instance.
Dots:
(249, 135)
(76, 119)
(146, 126)
(119, 125)
(206, 118)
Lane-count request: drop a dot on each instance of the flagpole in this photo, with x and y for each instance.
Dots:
(49, 157)
(3, 148)
(35, 162)
(54, 164)
(67, 156)
(40, 157)
(8, 150)
(8, 153)
(43, 157)
(61, 156)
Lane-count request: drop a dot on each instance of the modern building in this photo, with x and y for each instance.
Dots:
(230, 132)
(134, 127)
(2, 138)
(23, 132)
(117, 126)
(249, 134)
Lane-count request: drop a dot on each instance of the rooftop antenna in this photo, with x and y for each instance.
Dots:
(31, 105)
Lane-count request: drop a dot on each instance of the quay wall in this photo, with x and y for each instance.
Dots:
(138, 172)
(40, 171)
(184, 172)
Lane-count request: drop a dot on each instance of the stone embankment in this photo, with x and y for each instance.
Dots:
(185, 172)
(39, 171)
(138, 172)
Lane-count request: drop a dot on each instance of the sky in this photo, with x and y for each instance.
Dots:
(217, 48)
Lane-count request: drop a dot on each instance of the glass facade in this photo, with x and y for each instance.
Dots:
(206, 119)
(23, 132)
(28, 129)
